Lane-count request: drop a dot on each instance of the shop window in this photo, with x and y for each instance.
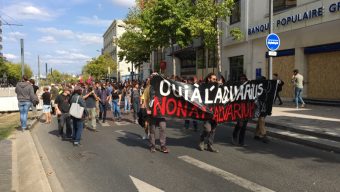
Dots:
(280, 5)
(236, 67)
(236, 13)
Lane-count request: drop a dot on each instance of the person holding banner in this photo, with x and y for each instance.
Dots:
(239, 132)
(148, 97)
(209, 127)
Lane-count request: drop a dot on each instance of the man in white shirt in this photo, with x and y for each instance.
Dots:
(297, 79)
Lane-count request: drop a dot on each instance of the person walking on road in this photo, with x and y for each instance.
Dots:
(239, 132)
(116, 99)
(62, 105)
(46, 97)
(297, 79)
(78, 124)
(153, 122)
(34, 105)
(104, 98)
(90, 99)
(279, 88)
(54, 93)
(261, 131)
(135, 98)
(25, 96)
(209, 127)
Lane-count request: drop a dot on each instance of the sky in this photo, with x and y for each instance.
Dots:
(63, 33)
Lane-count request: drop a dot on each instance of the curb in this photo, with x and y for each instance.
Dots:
(300, 131)
(22, 173)
(298, 138)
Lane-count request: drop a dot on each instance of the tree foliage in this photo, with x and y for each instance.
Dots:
(135, 48)
(14, 71)
(98, 67)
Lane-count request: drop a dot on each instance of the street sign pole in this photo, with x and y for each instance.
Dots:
(270, 67)
(22, 57)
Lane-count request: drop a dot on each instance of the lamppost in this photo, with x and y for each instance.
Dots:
(270, 67)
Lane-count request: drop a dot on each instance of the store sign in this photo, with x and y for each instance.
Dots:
(307, 15)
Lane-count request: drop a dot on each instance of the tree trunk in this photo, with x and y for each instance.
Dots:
(173, 58)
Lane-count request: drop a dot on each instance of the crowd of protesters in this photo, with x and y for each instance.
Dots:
(123, 98)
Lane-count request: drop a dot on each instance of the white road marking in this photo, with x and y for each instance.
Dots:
(122, 123)
(128, 135)
(143, 186)
(104, 124)
(225, 175)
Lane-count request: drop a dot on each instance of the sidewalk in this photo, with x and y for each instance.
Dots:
(21, 167)
(314, 125)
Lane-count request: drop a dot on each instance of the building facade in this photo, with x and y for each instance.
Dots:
(115, 31)
(310, 42)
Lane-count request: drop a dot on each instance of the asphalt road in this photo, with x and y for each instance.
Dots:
(108, 159)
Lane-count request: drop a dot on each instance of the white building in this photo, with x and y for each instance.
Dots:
(310, 41)
(115, 31)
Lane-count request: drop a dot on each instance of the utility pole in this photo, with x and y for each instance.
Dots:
(22, 57)
(270, 67)
(38, 69)
(46, 70)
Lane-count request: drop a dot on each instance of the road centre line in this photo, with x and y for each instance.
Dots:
(225, 175)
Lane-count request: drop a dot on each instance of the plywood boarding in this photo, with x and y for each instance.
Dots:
(324, 76)
(284, 66)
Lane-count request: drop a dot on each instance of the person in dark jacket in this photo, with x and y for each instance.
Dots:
(239, 132)
(25, 96)
(62, 106)
(34, 104)
(78, 124)
(46, 97)
(279, 88)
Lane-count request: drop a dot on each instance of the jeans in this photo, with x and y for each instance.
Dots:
(136, 108)
(116, 108)
(239, 132)
(63, 119)
(102, 110)
(24, 106)
(209, 132)
(298, 93)
(78, 125)
(127, 104)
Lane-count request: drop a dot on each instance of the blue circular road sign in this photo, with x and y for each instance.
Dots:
(273, 42)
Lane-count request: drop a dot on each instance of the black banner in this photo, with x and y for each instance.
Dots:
(220, 102)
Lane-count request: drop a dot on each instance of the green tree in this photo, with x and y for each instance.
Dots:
(99, 67)
(14, 72)
(164, 22)
(135, 48)
(55, 77)
(169, 22)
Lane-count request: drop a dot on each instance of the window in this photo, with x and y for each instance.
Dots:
(236, 67)
(280, 5)
(236, 13)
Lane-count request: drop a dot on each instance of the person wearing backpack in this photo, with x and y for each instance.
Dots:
(279, 88)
